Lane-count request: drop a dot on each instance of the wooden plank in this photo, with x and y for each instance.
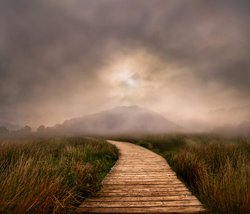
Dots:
(142, 179)
(145, 198)
(144, 194)
(144, 174)
(140, 171)
(139, 186)
(141, 182)
(168, 209)
(154, 189)
(141, 204)
(145, 184)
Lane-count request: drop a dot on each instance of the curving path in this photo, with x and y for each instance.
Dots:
(141, 182)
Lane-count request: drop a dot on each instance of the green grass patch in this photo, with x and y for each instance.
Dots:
(51, 175)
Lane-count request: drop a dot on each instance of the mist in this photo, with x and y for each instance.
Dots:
(187, 60)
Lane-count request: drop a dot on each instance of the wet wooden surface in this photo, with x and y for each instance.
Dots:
(141, 182)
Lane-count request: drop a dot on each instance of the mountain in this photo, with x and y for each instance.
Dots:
(119, 120)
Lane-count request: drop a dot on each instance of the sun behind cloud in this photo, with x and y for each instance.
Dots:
(128, 78)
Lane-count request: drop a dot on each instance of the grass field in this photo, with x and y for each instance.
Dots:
(216, 170)
(51, 175)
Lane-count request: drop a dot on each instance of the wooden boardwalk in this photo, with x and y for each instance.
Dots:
(141, 182)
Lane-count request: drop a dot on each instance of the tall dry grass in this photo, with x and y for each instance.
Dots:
(217, 170)
(51, 175)
(219, 173)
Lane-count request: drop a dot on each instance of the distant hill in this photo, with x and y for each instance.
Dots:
(241, 129)
(10, 126)
(232, 121)
(230, 115)
(119, 120)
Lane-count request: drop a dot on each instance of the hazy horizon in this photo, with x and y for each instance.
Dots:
(187, 60)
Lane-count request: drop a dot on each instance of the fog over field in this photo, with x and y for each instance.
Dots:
(187, 60)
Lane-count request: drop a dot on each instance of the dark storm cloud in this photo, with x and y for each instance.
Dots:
(53, 50)
(39, 40)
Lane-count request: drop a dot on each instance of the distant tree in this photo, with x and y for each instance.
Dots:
(3, 130)
(27, 130)
(41, 129)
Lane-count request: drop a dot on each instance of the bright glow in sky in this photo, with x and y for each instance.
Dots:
(129, 78)
(62, 59)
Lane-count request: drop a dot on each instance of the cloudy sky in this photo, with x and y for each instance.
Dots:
(61, 59)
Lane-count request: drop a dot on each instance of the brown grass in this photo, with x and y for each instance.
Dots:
(217, 170)
(51, 175)
(218, 173)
